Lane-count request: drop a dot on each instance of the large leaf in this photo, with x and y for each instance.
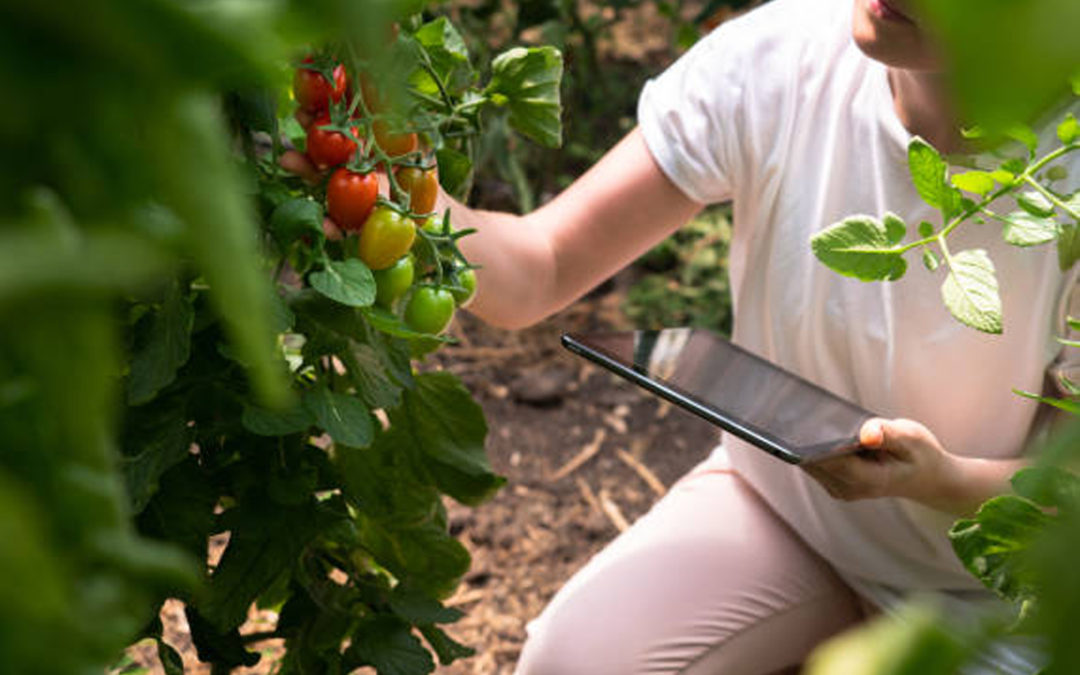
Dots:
(344, 417)
(1022, 228)
(349, 282)
(440, 421)
(526, 80)
(449, 58)
(971, 291)
(1048, 486)
(1068, 245)
(163, 347)
(993, 544)
(862, 247)
(265, 540)
(388, 644)
(156, 438)
(296, 218)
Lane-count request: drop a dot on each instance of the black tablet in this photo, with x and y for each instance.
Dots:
(729, 386)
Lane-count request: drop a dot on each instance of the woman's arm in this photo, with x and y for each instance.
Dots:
(536, 264)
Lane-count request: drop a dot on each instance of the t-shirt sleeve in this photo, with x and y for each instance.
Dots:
(687, 117)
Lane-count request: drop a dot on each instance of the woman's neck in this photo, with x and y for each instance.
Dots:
(924, 106)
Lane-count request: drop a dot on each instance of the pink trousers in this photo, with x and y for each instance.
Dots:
(709, 581)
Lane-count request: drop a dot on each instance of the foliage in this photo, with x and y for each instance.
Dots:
(190, 355)
(684, 278)
(872, 250)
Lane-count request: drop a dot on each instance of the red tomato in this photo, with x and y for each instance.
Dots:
(328, 148)
(392, 144)
(422, 186)
(313, 92)
(350, 197)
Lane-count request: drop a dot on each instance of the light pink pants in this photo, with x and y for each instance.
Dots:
(709, 581)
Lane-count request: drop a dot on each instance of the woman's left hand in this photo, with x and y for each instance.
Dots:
(899, 458)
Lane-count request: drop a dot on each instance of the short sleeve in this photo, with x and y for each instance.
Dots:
(686, 117)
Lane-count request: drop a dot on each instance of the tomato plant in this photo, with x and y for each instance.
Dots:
(385, 237)
(350, 197)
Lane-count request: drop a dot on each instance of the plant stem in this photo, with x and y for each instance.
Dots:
(1054, 199)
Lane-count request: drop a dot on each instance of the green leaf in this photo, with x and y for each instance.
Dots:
(992, 545)
(264, 422)
(930, 260)
(442, 421)
(171, 662)
(1048, 486)
(344, 417)
(388, 644)
(448, 55)
(971, 291)
(1069, 130)
(1073, 323)
(1068, 245)
(1024, 229)
(419, 608)
(527, 82)
(1071, 407)
(163, 348)
(446, 648)
(156, 438)
(928, 172)
(265, 540)
(976, 182)
(1023, 134)
(297, 218)
(1035, 203)
(926, 230)
(455, 169)
(349, 282)
(862, 247)
(224, 648)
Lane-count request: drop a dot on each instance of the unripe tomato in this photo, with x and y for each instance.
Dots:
(385, 237)
(392, 282)
(393, 144)
(467, 280)
(429, 310)
(328, 148)
(313, 92)
(422, 186)
(350, 198)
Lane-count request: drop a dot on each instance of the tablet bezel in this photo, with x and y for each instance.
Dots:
(580, 344)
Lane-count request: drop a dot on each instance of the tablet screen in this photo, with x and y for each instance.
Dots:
(741, 392)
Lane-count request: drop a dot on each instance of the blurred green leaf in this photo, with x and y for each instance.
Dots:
(164, 345)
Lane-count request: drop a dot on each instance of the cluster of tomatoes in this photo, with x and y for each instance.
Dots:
(411, 251)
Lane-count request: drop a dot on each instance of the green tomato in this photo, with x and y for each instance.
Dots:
(467, 281)
(384, 238)
(429, 310)
(392, 282)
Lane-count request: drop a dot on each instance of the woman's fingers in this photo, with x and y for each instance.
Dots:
(299, 164)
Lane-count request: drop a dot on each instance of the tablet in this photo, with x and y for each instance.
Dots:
(742, 393)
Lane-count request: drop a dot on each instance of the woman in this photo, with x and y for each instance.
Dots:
(800, 112)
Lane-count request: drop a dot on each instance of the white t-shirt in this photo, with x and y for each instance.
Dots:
(780, 112)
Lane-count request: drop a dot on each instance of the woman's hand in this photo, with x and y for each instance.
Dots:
(902, 458)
